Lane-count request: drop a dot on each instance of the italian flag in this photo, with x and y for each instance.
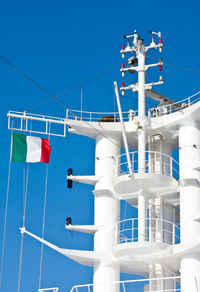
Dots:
(30, 149)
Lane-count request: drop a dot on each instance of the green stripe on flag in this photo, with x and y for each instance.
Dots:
(19, 148)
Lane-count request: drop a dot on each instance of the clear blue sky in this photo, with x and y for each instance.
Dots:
(61, 44)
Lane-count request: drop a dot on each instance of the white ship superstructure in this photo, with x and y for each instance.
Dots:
(163, 243)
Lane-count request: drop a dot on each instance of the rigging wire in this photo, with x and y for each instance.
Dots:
(175, 65)
(42, 88)
(56, 98)
(114, 101)
(75, 87)
(22, 234)
(52, 97)
(25, 192)
(44, 217)
(100, 132)
(65, 92)
(6, 213)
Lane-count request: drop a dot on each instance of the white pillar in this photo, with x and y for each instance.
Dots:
(155, 220)
(169, 284)
(141, 141)
(168, 224)
(167, 149)
(189, 153)
(107, 213)
(156, 271)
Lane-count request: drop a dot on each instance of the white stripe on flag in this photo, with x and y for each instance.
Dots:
(34, 149)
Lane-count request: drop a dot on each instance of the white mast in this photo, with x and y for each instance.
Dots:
(139, 44)
(140, 49)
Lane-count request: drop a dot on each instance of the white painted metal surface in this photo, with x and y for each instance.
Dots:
(107, 211)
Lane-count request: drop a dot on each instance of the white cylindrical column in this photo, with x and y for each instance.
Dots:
(160, 230)
(155, 220)
(190, 267)
(169, 284)
(156, 271)
(168, 224)
(142, 217)
(166, 160)
(141, 140)
(107, 213)
(189, 153)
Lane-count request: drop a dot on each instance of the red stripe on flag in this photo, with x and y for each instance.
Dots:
(46, 150)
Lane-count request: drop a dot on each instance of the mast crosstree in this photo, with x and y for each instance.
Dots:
(162, 244)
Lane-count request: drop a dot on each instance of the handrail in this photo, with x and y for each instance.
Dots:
(174, 278)
(160, 110)
(156, 163)
(54, 289)
(28, 122)
(25, 114)
(94, 116)
(173, 107)
(187, 98)
(139, 284)
(169, 234)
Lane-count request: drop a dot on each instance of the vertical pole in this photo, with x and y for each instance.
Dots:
(132, 230)
(141, 139)
(81, 102)
(171, 167)
(174, 234)
(123, 129)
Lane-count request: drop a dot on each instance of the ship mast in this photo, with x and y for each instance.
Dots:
(140, 50)
(148, 245)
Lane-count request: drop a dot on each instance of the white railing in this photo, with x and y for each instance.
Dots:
(95, 116)
(129, 115)
(156, 230)
(166, 284)
(55, 289)
(174, 107)
(33, 123)
(155, 163)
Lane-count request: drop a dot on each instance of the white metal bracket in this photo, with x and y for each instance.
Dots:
(40, 124)
(132, 69)
(134, 87)
(154, 46)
